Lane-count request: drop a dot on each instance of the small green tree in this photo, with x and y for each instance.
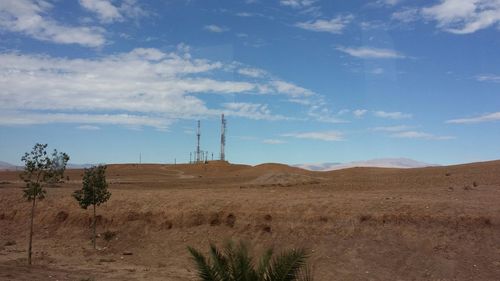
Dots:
(235, 264)
(94, 192)
(40, 170)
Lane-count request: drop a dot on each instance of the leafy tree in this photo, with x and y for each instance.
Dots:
(94, 191)
(40, 170)
(235, 263)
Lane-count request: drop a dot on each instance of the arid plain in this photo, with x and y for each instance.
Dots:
(436, 223)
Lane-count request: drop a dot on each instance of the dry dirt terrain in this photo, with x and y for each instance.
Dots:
(437, 223)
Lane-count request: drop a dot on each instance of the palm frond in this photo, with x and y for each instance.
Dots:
(205, 271)
(287, 266)
(220, 263)
(264, 263)
(305, 274)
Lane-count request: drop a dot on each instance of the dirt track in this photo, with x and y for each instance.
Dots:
(438, 223)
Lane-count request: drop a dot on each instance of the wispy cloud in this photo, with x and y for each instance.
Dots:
(88, 127)
(488, 78)
(297, 3)
(253, 111)
(252, 72)
(108, 12)
(273, 141)
(324, 136)
(387, 2)
(463, 17)
(359, 112)
(291, 89)
(31, 18)
(398, 128)
(406, 15)
(215, 28)
(23, 118)
(335, 25)
(152, 87)
(105, 10)
(479, 119)
(420, 135)
(371, 53)
(392, 115)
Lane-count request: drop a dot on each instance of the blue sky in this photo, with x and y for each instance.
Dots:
(300, 81)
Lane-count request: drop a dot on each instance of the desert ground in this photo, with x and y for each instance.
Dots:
(435, 223)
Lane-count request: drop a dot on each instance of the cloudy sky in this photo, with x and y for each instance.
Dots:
(300, 81)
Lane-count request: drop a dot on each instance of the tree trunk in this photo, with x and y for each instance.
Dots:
(31, 230)
(93, 236)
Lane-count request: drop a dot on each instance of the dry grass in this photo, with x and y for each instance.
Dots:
(360, 224)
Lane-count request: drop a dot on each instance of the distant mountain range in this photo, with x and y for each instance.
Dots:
(4, 166)
(379, 163)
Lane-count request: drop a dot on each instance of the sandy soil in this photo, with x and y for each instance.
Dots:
(440, 223)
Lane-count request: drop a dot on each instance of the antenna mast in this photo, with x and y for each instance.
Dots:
(223, 139)
(198, 152)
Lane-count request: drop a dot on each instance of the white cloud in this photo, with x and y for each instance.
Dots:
(371, 53)
(488, 78)
(388, 2)
(392, 115)
(273, 141)
(297, 3)
(104, 9)
(253, 111)
(23, 118)
(324, 136)
(30, 18)
(398, 128)
(359, 112)
(377, 71)
(290, 89)
(131, 9)
(88, 127)
(215, 28)
(335, 25)
(252, 72)
(479, 119)
(464, 16)
(151, 86)
(406, 15)
(420, 135)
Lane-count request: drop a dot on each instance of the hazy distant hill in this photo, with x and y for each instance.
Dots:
(4, 166)
(380, 163)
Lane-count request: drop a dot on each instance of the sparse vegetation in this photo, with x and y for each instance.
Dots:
(40, 170)
(108, 235)
(235, 263)
(94, 192)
